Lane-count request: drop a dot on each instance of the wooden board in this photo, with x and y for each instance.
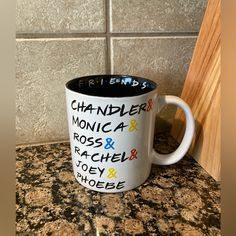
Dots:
(202, 92)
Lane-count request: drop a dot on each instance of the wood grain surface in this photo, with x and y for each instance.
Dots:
(202, 92)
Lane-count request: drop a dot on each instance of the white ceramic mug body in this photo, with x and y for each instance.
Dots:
(111, 146)
(111, 137)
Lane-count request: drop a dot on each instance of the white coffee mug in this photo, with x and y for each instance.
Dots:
(111, 122)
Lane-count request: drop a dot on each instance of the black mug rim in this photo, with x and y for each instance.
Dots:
(89, 77)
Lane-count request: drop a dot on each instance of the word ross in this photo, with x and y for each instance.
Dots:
(109, 143)
(112, 173)
(133, 125)
(89, 141)
(109, 109)
(133, 154)
(97, 127)
(91, 170)
(101, 184)
(98, 157)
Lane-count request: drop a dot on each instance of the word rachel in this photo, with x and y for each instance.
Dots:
(105, 157)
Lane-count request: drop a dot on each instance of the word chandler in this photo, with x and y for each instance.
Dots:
(111, 109)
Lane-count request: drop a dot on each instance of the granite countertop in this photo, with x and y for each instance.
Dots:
(181, 199)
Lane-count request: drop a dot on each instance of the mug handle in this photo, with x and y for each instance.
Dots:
(178, 154)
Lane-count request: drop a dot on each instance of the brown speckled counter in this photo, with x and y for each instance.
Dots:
(181, 199)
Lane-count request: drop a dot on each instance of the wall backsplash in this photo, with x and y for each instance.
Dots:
(59, 40)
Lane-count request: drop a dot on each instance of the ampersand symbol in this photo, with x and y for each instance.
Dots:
(112, 173)
(150, 105)
(133, 154)
(133, 125)
(109, 143)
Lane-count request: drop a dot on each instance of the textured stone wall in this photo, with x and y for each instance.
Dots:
(59, 40)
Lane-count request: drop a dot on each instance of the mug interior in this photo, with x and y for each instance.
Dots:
(111, 85)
